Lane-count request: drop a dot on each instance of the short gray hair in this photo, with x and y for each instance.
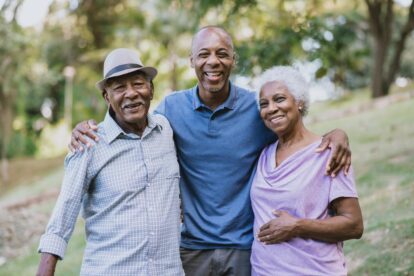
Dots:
(292, 79)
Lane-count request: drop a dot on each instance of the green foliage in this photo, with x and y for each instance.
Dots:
(341, 47)
(23, 144)
(80, 34)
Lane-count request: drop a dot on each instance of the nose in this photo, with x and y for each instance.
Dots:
(272, 107)
(130, 91)
(212, 59)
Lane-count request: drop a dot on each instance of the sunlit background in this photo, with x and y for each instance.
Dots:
(359, 64)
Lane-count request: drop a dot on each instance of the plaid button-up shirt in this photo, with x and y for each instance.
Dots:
(128, 186)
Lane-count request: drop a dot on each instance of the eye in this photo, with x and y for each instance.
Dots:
(223, 55)
(203, 55)
(263, 105)
(279, 99)
(119, 88)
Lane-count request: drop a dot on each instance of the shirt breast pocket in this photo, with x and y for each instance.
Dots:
(165, 165)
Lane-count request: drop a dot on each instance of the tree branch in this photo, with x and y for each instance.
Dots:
(400, 45)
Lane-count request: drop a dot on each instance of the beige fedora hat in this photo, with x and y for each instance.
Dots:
(122, 61)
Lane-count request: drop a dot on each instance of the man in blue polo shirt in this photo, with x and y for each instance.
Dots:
(219, 136)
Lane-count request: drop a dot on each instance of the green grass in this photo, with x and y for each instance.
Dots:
(27, 265)
(383, 160)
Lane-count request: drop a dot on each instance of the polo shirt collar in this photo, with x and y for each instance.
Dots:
(230, 102)
(113, 130)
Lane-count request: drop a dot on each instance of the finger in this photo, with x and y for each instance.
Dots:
(75, 144)
(339, 161)
(348, 163)
(265, 226)
(81, 138)
(92, 124)
(323, 145)
(71, 149)
(92, 134)
(82, 127)
(340, 165)
(266, 238)
(264, 233)
(331, 164)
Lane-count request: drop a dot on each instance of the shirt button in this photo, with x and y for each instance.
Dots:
(152, 233)
(150, 260)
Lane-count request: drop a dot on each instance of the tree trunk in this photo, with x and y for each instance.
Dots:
(4, 170)
(5, 131)
(174, 72)
(378, 84)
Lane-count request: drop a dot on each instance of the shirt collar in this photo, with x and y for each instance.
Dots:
(113, 130)
(230, 102)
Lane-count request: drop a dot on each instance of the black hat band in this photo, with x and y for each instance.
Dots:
(121, 67)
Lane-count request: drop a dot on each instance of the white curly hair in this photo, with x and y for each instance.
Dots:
(292, 79)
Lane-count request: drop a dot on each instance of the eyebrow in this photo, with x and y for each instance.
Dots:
(219, 49)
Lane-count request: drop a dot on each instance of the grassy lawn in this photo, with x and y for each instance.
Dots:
(383, 161)
(27, 264)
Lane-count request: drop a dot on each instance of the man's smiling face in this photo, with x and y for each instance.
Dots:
(129, 97)
(213, 59)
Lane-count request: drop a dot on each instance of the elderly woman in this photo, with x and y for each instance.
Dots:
(301, 215)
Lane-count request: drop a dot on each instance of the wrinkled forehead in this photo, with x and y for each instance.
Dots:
(138, 75)
(211, 38)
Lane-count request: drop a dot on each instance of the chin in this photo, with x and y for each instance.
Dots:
(215, 89)
(136, 118)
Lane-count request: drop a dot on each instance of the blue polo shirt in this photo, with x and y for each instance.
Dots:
(217, 151)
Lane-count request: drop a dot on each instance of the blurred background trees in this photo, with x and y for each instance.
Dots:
(351, 44)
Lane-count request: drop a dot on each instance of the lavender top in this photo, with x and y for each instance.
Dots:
(298, 185)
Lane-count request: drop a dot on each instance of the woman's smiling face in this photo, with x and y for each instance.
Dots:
(278, 108)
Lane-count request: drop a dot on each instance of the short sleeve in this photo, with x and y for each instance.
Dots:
(343, 186)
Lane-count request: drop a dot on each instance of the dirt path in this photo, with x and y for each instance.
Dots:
(28, 169)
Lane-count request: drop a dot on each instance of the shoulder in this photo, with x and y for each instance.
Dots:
(246, 97)
(85, 156)
(176, 99)
(178, 95)
(74, 160)
(161, 120)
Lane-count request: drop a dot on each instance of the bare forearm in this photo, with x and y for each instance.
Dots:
(335, 229)
(47, 265)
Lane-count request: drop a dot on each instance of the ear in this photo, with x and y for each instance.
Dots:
(235, 58)
(106, 96)
(300, 106)
(191, 60)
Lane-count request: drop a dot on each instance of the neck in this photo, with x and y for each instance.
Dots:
(136, 128)
(214, 99)
(297, 135)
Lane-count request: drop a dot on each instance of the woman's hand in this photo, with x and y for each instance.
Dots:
(340, 157)
(82, 129)
(278, 230)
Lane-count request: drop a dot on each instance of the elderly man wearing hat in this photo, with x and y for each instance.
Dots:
(127, 184)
